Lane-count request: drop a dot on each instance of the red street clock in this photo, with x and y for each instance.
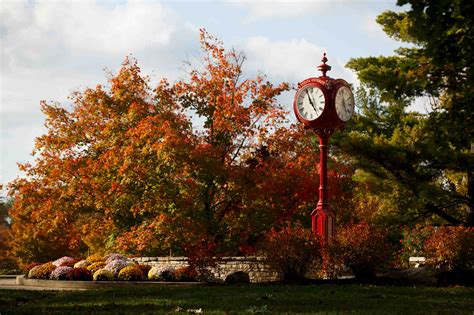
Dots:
(324, 105)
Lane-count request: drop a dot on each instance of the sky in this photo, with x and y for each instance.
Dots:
(51, 48)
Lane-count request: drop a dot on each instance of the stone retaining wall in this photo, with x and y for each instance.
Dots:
(83, 285)
(253, 265)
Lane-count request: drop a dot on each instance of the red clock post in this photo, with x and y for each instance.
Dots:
(324, 105)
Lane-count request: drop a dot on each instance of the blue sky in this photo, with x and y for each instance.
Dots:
(51, 48)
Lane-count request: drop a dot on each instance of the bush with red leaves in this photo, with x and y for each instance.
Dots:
(185, 274)
(81, 274)
(361, 248)
(144, 269)
(451, 247)
(291, 251)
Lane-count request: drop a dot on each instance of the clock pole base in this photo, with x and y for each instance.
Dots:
(323, 224)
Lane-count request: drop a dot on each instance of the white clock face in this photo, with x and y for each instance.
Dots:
(310, 103)
(344, 103)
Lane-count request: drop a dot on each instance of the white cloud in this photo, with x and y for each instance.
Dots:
(49, 49)
(264, 9)
(293, 60)
(370, 26)
(280, 8)
(39, 32)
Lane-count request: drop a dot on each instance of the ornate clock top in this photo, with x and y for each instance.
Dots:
(324, 67)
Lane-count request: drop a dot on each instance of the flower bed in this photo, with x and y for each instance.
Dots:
(113, 267)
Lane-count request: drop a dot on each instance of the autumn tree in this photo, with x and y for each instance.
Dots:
(101, 168)
(202, 166)
(244, 168)
(419, 167)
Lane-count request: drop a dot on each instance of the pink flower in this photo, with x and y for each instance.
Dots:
(66, 260)
(116, 265)
(60, 273)
(112, 257)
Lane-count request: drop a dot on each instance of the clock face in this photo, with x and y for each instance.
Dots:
(310, 102)
(344, 103)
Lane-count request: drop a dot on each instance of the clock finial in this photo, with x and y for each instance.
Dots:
(324, 67)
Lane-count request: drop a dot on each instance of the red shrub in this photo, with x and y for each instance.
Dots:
(361, 248)
(185, 274)
(451, 247)
(144, 269)
(81, 274)
(291, 251)
(202, 254)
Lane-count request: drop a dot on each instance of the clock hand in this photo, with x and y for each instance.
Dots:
(311, 101)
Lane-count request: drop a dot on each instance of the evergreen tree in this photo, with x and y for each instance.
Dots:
(418, 166)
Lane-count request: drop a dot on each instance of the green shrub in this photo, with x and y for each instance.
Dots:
(11, 272)
(413, 243)
(361, 248)
(450, 247)
(130, 273)
(7, 263)
(291, 251)
(103, 275)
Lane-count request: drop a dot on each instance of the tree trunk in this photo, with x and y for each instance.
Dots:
(442, 214)
(470, 192)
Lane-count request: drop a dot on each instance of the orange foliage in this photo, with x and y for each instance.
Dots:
(131, 168)
(450, 247)
(360, 247)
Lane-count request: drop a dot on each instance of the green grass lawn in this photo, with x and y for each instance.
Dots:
(271, 299)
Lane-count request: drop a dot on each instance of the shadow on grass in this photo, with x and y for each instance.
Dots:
(269, 298)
